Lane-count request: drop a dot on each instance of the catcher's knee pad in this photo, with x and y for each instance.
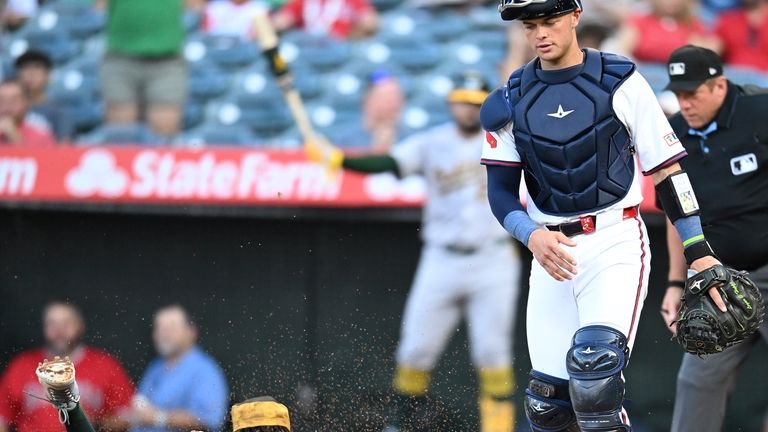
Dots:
(594, 363)
(411, 382)
(547, 404)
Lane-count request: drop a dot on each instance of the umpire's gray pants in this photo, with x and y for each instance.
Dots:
(704, 384)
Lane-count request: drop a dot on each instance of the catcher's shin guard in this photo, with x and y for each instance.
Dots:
(548, 405)
(594, 363)
(497, 411)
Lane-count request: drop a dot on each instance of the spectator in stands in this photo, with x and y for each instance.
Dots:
(261, 414)
(651, 37)
(184, 388)
(16, 13)
(233, 17)
(33, 69)
(382, 109)
(105, 389)
(143, 70)
(18, 126)
(344, 19)
(744, 33)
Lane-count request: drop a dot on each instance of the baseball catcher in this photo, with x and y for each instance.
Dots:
(701, 327)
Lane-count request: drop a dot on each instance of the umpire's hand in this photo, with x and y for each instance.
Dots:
(670, 306)
(545, 246)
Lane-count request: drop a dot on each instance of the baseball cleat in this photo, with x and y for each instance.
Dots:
(58, 379)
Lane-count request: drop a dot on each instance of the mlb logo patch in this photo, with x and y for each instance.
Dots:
(491, 140)
(671, 139)
(744, 164)
(676, 69)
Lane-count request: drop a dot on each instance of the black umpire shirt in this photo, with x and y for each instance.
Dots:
(727, 163)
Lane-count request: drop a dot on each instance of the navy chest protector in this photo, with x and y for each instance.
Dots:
(577, 155)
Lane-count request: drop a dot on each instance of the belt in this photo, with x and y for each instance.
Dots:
(588, 224)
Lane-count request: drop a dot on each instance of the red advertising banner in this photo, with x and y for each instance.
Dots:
(213, 176)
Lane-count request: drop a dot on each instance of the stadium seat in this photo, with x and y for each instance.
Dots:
(207, 81)
(192, 115)
(55, 43)
(414, 54)
(743, 76)
(419, 116)
(385, 5)
(73, 79)
(213, 134)
(191, 21)
(447, 26)
(79, 19)
(84, 107)
(122, 134)
(263, 116)
(318, 52)
(228, 52)
(403, 23)
(655, 74)
(344, 91)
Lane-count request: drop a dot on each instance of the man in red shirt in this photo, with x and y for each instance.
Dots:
(106, 391)
(744, 33)
(344, 19)
(18, 127)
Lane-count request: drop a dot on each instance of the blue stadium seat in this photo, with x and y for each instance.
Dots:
(263, 116)
(213, 134)
(191, 21)
(207, 81)
(414, 54)
(743, 76)
(85, 109)
(419, 116)
(192, 114)
(122, 134)
(318, 52)
(75, 79)
(655, 74)
(228, 52)
(78, 19)
(344, 91)
(403, 23)
(385, 5)
(55, 43)
(447, 26)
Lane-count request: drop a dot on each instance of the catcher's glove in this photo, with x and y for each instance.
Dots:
(701, 327)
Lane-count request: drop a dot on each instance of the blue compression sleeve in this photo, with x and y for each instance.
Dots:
(690, 230)
(504, 197)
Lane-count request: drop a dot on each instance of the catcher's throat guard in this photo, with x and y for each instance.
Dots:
(701, 327)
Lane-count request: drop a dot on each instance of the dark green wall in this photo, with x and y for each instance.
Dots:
(282, 302)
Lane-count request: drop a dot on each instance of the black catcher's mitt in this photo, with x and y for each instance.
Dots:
(701, 327)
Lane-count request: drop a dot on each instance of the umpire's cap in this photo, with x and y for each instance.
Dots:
(690, 66)
(260, 411)
(532, 9)
(469, 87)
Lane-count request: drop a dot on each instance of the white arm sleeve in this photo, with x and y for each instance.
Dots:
(500, 149)
(409, 155)
(656, 143)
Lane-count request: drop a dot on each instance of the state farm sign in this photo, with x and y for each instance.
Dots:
(163, 174)
(220, 176)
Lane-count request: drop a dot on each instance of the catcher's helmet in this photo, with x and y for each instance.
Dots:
(531, 9)
(469, 87)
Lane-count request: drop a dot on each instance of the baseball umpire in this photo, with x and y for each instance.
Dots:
(722, 126)
(468, 266)
(581, 126)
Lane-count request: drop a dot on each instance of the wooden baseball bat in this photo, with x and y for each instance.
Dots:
(269, 47)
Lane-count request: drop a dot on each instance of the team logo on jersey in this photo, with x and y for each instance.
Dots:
(676, 69)
(744, 164)
(491, 139)
(560, 113)
(671, 139)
